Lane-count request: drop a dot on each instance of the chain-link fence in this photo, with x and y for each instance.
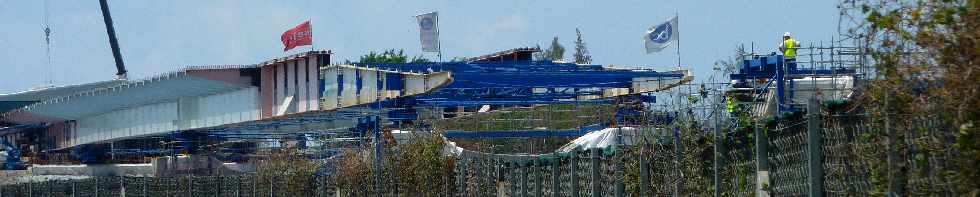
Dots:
(242, 185)
(828, 154)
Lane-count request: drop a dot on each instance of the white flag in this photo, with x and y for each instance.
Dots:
(429, 30)
(661, 36)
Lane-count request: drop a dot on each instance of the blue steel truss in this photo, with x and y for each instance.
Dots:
(779, 72)
(501, 83)
(522, 82)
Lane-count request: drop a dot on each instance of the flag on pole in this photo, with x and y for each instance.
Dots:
(429, 31)
(661, 36)
(300, 35)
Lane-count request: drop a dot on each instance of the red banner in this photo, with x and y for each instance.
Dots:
(297, 36)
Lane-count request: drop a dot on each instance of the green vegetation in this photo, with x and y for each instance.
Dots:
(389, 56)
(354, 173)
(288, 170)
(420, 167)
(555, 52)
(581, 55)
(927, 56)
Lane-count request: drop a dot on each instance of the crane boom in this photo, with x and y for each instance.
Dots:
(113, 43)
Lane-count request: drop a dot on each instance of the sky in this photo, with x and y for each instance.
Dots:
(161, 36)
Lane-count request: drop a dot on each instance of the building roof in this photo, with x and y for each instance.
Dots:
(74, 101)
(165, 87)
(294, 56)
(515, 54)
(16, 100)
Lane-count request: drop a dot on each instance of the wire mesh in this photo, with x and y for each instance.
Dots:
(788, 159)
(852, 153)
(739, 173)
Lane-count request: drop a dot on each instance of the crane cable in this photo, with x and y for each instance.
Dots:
(47, 43)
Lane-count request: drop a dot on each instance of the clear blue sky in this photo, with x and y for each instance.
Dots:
(160, 36)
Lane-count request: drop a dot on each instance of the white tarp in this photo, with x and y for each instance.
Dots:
(824, 88)
(604, 138)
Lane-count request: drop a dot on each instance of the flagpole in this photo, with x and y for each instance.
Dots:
(439, 41)
(678, 41)
(440, 46)
(312, 44)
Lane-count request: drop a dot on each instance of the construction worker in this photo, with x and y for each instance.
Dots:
(788, 47)
(730, 104)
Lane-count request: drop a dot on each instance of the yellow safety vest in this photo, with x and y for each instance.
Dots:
(790, 46)
(730, 104)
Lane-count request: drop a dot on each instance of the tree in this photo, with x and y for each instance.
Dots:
(557, 51)
(582, 55)
(729, 65)
(927, 63)
(553, 53)
(390, 56)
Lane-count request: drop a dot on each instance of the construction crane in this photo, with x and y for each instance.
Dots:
(113, 42)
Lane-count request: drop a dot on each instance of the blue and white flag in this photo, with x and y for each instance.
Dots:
(429, 30)
(661, 36)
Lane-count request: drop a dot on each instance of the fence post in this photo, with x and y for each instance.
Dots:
(456, 176)
(895, 184)
(596, 179)
(190, 185)
(718, 150)
(378, 147)
(762, 160)
(814, 149)
(619, 160)
(644, 170)
(122, 187)
(574, 175)
(481, 176)
(556, 175)
(463, 170)
(538, 180)
(514, 179)
(221, 185)
(678, 157)
(524, 167)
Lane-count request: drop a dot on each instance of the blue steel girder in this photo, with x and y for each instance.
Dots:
(516, 82)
